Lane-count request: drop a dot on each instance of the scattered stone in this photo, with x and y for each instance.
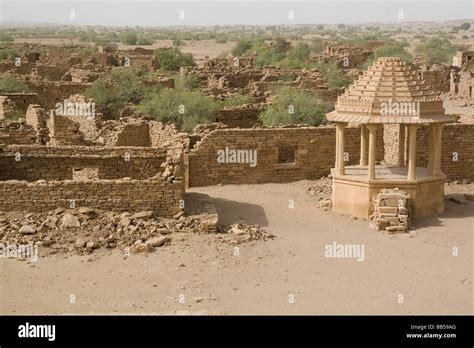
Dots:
(142, 215)
(80, 243)
(27, 229)
(124, 222)
(70, 221)
(178, 215)
(325, 204)
(158, 241)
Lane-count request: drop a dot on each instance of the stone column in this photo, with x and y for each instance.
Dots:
(401, 145)
(412, 152)
(372, 136)
(340, 148)
(363, 145)
(437, 149)
(431, 143)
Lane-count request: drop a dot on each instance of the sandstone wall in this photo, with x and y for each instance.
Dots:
(244, 116)
(52, 92)
(57, 163)
(314, 149)
(157, 194)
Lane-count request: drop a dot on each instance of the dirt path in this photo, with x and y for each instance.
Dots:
(287, 275)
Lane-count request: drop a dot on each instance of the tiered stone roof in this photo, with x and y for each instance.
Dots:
(390, 91)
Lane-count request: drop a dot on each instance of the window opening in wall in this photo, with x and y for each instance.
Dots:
(286, 154)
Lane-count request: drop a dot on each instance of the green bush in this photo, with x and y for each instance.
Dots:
(437, 50)
(123, 87)
(9, 84)
(172, 58)
(242, 47)
(393, 48)
(335, 78)
(188, 82)
(184, 108)
(294, 106)
(6, 53)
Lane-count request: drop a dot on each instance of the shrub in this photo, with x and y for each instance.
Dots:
(188, 82)
(9, 84)
(437, 50)
(122, 88)
(242, 47)
(335, 78)
(172, 58)
(184, 108)
(293, 106)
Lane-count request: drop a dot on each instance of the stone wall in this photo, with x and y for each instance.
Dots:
(313, 151)
(57, 163)
(458, 138)
(16, 133)
(52, 92)
(23, 100)
(156, 194)
(244, 116)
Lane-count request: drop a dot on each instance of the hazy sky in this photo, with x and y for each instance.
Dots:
(228, 12)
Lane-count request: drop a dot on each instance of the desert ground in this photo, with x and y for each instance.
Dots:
(412, 273)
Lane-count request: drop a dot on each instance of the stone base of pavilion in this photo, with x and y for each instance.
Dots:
(353, 192)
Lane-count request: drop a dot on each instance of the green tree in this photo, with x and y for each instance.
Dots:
(294, 106)
(437, 50)
(184, 108)
(172, 58)
(112, 95)
(242, 47)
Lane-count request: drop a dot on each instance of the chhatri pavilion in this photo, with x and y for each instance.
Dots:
(389, 92)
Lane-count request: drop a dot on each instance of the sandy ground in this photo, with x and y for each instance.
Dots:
(287, 275)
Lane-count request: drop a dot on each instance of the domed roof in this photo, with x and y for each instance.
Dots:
(390, 91)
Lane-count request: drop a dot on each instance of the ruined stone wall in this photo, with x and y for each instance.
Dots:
(157, 195)
(63, 131)
(51, 72)
(133, 133)
(16, 133)
(466, 84)
(37, 118)
(167, 136)
(244, 116)
(52, 92)
(23, 100)
(313, 148)
(57, 163)
(438, 80)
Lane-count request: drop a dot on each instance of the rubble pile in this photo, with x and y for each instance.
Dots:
(85, 230)
(239, 233)
(391, 211)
